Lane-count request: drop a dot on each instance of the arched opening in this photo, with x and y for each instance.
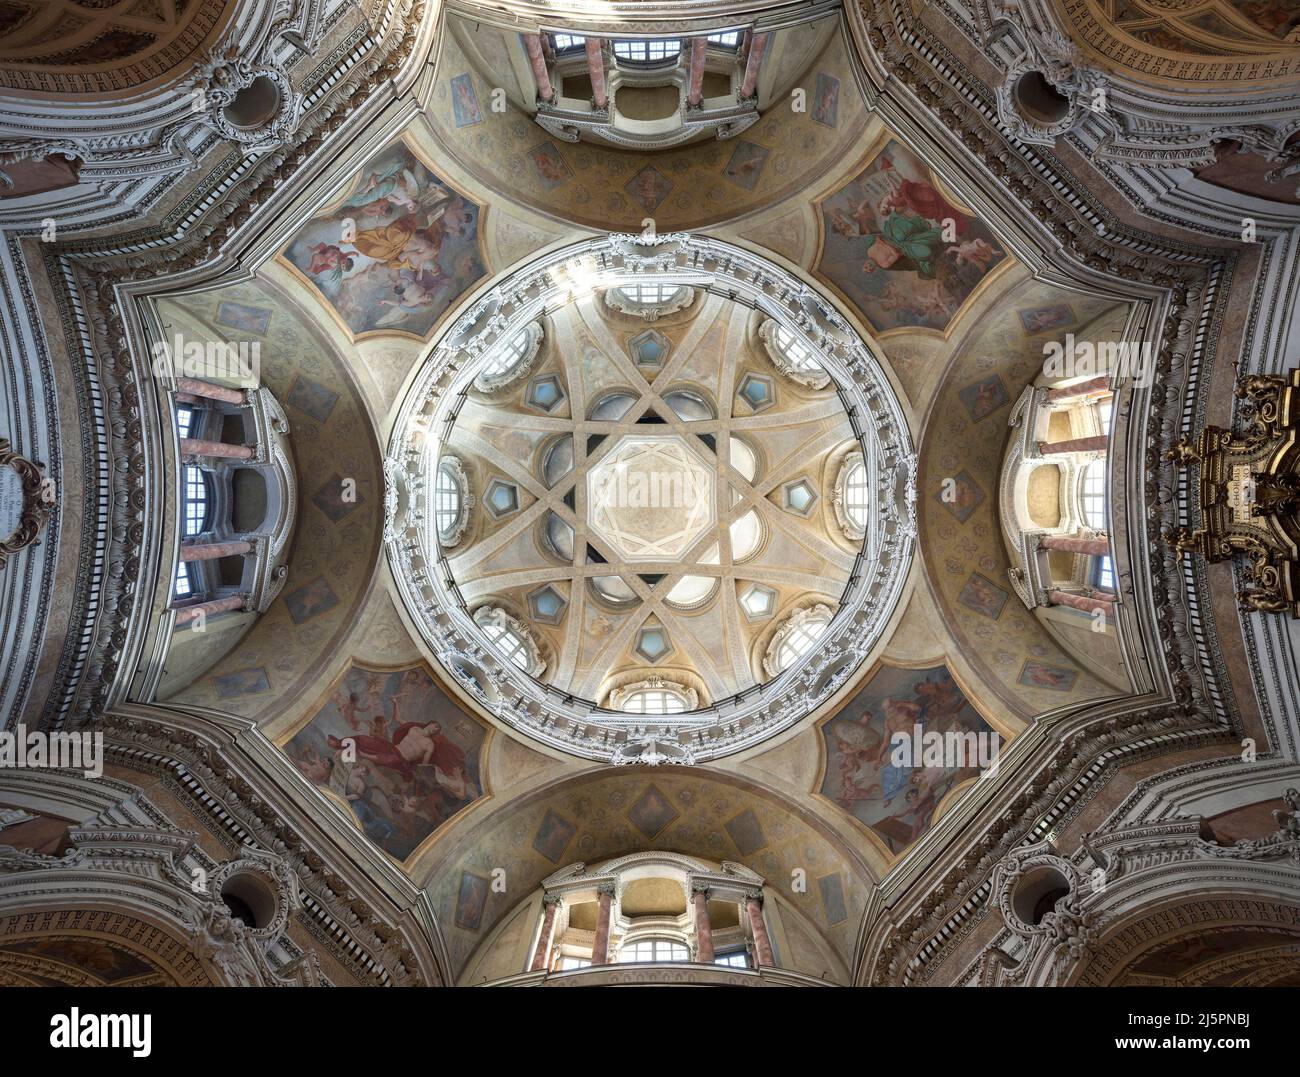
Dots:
(249, 900)
(254, 105)
(1037, 893)
(1038, 100)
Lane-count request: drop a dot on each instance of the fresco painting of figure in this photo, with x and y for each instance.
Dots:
(861, 775)
(1280, 18)
(395, 251)
(898, 249)
(399, 751)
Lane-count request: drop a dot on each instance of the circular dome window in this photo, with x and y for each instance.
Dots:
(255, 105)
(657, 518)
(250, 900)
(1039, 101)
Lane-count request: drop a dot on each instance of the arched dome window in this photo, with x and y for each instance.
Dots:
(507, 362)
(1092, 510)
(559, 537)
(451, 500)
(744, 459)
(511, 638)
(691, 592)
(650, 292)
(649, 299)
(557, 461)
(611, 407)
(796, 638)
(1092, 495)
(852, 499)
(653, 949)
(615, 590)
(746, 536)
(791, 356)
(689, 406)
(655, 696)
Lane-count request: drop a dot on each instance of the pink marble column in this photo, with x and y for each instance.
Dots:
(600, 947)
(198, 447)
(1091, 387)
(542, 955)
(186, 614)
(596, 70)
(1081, 602)
(537, 58)
(206, 551)
(209, 391)
(757, 47)
(1094, 547)
(703, 927)
(758, 927)
(695, 77)
(1052, 448)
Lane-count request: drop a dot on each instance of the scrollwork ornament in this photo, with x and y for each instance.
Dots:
(217, 88)
(38, 496)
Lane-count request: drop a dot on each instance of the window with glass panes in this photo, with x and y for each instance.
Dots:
(855, 494)
(1092, 495)
(446, 501)
(648, 50)
(1104, 410)
(651, 292)
(736, 959)
(196, 501)
(653, 950)
(800, 641)
(510, 644)
(655, 701)
(798, 356)
(507, 358)
(1103, 574)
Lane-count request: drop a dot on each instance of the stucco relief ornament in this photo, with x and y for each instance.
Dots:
(27, 498)
(1050, 56)
(250, 104)
(15, 151)
(653, 748)
(1064, 930)
(1288, 822)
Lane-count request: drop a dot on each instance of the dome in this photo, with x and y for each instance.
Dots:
(663, 529)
